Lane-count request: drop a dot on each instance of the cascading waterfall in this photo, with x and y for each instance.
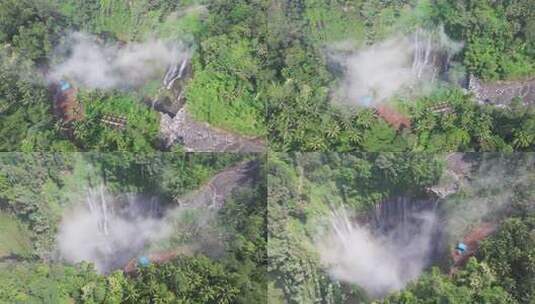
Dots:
(341, 226)
(110, 230)
(174, 72)
(423, 47)
(403, 219)
(98, 206)
(432, 53)
(398, 241)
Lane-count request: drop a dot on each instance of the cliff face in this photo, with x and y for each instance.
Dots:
(453, 178)
(201, 137)
(502, 93)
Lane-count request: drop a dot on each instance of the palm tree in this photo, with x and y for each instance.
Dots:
(522, 139)
(365, 118)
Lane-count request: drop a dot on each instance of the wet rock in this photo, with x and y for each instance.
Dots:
(200, 137)
(502, 93)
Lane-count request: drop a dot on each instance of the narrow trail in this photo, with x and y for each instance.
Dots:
(472, 240)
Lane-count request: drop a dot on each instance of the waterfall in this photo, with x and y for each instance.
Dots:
(386, 253)
(109, 230)
(105, 218)
(170, 74)
(422, 52)
(402, 217)
(175, 72)
(182, 68)
(99, 208)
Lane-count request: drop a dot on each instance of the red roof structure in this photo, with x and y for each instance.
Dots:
(393, 117)
(66, 106)
(472, 241)
(155, 258)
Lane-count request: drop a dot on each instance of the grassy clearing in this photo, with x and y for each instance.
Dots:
(222, 102)
(14, 238)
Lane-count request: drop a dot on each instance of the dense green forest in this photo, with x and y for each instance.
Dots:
(272, 67)
(37, 189)
(497, 43)
(304, 188)
(399, 138)
(224, 88)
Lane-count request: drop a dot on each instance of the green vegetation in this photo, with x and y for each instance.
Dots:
(301, 115)
(36, 190)
(224, 88)
(499, 36)
(305, 187)
(229, 81)
(14, 238)
(477, 283)
(138, 135)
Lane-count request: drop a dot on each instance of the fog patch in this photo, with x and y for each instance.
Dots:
(91, 63)
(489, 191)
(379, 262)
(109, 230)
(400, 64)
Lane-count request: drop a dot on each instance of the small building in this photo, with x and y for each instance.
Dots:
(471, 242)
(393, 117)
(66, 106)
(143, 261)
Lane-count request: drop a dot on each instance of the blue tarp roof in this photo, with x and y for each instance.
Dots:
(143, 261)
(64, 85)
(461, 247)
(366, 100)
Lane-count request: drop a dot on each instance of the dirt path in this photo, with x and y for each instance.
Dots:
(472, 240)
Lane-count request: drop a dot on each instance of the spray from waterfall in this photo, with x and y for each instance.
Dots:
(383, 255)
(109, 230)
(400, 65)
(86, 61)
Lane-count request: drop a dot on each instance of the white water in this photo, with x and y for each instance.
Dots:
(422, 52)
(108, 231)
(399, 65)
(175, 72)
(384, 255)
